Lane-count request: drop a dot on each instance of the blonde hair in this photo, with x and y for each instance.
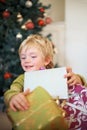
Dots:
(43, 43)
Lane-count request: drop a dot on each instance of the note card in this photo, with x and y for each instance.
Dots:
(51, 79)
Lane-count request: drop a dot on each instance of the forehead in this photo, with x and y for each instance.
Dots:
(30, 49)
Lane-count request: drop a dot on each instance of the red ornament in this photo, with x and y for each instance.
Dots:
(41, 10)
(48, 20)
(6, 14)
(41, 22)
(29, 25)
(7, 75)
(3, 1)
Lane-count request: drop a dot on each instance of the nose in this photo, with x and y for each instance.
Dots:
(27, 60)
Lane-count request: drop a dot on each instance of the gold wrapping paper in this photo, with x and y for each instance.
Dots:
(43, 113)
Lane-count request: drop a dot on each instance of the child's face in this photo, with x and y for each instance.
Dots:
(32, 59)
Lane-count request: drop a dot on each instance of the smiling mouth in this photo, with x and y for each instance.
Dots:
(28, 67)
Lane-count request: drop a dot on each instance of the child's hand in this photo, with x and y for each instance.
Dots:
(19, 101)
(72, 78)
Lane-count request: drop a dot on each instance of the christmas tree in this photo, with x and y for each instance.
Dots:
(18, 19)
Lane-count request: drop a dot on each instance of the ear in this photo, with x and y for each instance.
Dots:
(47, 60)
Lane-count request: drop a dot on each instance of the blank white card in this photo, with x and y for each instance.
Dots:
(51, 79)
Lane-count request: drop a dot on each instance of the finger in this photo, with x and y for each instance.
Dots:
(23, 101)
(12, 107)
(69, 73)
(71, 84)
(69, 69)
(18, 106)
(72, 81)
(26, 92)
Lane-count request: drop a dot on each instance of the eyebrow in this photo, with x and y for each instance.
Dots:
(22, 54)
(31, 53)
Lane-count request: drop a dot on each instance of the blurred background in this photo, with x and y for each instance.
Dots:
(69, 33)
(62, 21)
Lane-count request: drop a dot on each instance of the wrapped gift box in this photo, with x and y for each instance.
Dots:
(76, 108)
(43, 113)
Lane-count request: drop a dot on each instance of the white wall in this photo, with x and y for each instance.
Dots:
(57, 30)
(71, 37)
(57, 10)
(76, 35)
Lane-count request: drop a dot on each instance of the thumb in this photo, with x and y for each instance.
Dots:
(69, 69)
(26, 92)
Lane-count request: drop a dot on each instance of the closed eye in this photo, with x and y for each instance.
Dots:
(34, 56)
(22, 58)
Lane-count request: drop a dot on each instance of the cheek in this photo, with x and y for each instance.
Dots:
(22, 63)
(41, 62)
